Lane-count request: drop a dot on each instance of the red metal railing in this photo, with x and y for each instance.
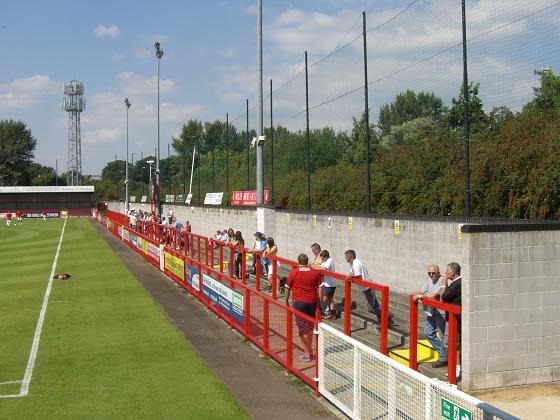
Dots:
(454, 311)
(264, 321)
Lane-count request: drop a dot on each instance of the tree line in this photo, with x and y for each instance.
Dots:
(416, 155)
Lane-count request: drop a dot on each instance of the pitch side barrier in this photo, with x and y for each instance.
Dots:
(267, 323)
(219, 256)
(453, 312)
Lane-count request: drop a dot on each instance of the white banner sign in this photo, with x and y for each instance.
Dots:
(214, 199)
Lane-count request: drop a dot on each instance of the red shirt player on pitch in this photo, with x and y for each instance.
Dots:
(8, 218)
(19, 217)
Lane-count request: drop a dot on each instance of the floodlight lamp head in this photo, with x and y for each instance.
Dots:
(150, 162)
(126, 102)
(159, 51)
(254, 142)
(261, 140)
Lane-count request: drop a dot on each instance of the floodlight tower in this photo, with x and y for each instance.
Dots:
(74, 103)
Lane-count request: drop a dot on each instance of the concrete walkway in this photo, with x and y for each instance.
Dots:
(259, 385)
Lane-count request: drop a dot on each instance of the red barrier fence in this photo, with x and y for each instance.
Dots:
(453, 312)
(199, 265)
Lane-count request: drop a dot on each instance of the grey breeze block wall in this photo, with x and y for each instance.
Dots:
(511, 289)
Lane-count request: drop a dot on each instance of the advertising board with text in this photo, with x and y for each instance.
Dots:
(247, 198)
(227, 298)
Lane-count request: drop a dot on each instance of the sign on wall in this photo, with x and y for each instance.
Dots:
(247, 198)
(214, 199)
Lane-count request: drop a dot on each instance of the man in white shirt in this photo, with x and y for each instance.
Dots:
(359, 271)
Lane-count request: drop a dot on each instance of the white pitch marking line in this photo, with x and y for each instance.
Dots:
(10, 382)
(36, 338)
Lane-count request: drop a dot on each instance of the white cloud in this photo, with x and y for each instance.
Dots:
(143, 53)
(170, 112)
(103, 135)
(26, 92)
(118, 56)
(134, 84)
(230, 52)
(251, 10)
(112, 31)
(11, 100)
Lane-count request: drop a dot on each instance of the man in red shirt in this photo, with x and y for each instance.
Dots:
(19, 217)
(8, 218)
(304, 283)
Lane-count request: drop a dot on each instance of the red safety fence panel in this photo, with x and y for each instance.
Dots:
(453, 312)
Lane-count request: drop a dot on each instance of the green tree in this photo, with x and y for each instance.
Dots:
(547, 95)
(409, 106)
(409, 132)
(17, 146)
(354, 145)
(114, 171)
(192, 135)
(454, 117)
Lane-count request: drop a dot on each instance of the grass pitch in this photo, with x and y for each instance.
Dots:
(106, 349)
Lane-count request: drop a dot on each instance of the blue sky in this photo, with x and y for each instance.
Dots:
(208, 67)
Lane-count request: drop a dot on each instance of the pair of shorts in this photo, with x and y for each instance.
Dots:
(328, 291)
(305, 326)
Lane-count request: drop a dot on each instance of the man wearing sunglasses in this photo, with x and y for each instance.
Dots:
(435, 318)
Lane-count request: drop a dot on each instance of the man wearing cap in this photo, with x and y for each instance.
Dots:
(260, 245)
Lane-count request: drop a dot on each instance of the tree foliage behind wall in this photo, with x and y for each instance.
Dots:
(416, 159)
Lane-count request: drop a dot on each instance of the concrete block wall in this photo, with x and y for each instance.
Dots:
(511, 309)
(511, 291)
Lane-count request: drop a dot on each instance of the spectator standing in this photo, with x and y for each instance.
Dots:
(303, 282)
(231, 234)
(238, 241)
(450, 292)
(359, 271)
(271, 249)
(317, 260)
(133, 221)
(328, 286)
(435, 318)
(169, 216)
(188, 229)
(258, 246)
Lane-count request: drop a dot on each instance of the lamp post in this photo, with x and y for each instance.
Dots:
(126, 198)
(150, 163)
(159, 54)
(142, 178)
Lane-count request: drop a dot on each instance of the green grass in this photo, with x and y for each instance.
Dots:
(106, 350)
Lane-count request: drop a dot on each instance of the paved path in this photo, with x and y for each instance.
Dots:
(258, 385)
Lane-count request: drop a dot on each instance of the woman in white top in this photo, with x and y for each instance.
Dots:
(328, 286)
